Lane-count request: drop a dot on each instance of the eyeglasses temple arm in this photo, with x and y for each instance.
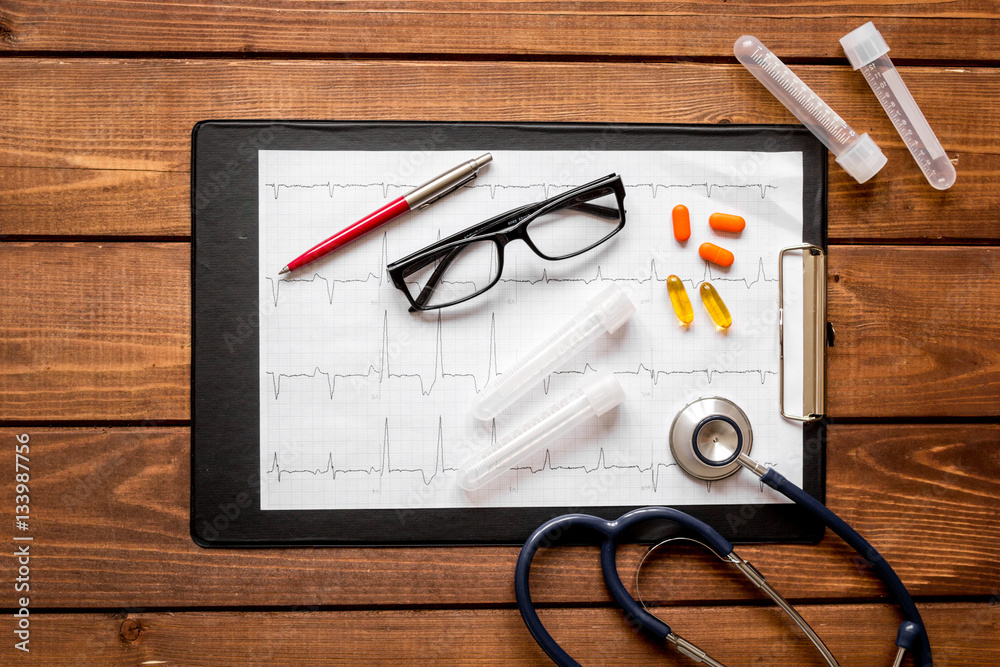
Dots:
(596, 209)
(435, 278)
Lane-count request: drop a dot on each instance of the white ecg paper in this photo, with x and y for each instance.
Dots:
(365, 405)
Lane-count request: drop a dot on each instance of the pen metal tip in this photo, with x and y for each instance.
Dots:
(284, 270)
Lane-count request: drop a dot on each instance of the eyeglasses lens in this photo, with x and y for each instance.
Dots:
(453, 274)
(580, 224)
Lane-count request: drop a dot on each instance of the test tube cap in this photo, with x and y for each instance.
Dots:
(612, 307)
(603, 392)
(863, 159)
(863, 45)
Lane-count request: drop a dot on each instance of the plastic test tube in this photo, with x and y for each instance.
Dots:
(866, 49)
(860, 156)
(594, 397)
(606, 312)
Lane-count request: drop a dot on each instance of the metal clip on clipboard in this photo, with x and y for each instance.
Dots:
(813, 334)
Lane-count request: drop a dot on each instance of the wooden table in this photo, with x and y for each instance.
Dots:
(97, 101)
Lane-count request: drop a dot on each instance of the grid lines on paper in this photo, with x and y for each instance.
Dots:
(364, 405)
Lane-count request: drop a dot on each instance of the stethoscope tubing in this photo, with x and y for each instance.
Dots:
(549, 533)
(922, 651)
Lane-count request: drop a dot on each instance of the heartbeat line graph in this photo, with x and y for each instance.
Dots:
(546, 188)
(438, 468)
(380, 279)
(382, 372)
(654, 469)
(393, 426)
(385, 468)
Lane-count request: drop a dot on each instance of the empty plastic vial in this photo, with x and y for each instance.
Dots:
(859, 155)
(594, 397)
(604, 314)
(866, 49)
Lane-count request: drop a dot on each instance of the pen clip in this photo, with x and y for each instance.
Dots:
(448, 190)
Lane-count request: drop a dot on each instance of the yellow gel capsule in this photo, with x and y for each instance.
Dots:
(715, 306)
(679, 299)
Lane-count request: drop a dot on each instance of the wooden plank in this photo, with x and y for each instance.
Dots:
(67, 114)
(95, 331)
(106, 332)
(857, 634)
(110, 513)
(898, 206)
(916, 336)
(48, 101)
(43, 201)
(962, 30)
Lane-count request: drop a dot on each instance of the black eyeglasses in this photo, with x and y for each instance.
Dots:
(468, 263)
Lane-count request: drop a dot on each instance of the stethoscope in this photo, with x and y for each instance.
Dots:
(710, 439)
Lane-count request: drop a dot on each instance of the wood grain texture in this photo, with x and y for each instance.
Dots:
(106, 202)
(961, 634)
(961, 30)
(136, 203)
(95, 331)
(110, 514)
(68, 115)
(104, 333)
(95, 142)
(916, 332)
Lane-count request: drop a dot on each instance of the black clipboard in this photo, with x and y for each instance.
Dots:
(225, 477)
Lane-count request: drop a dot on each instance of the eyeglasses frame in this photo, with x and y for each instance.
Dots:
(501, 230)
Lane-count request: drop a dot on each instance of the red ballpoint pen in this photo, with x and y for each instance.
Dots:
(421, 197)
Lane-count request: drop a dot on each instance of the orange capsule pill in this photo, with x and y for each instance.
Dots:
(682, 223)
(725, 222)
(716, 255)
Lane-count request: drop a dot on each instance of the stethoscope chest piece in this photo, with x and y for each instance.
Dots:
(708, 435)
